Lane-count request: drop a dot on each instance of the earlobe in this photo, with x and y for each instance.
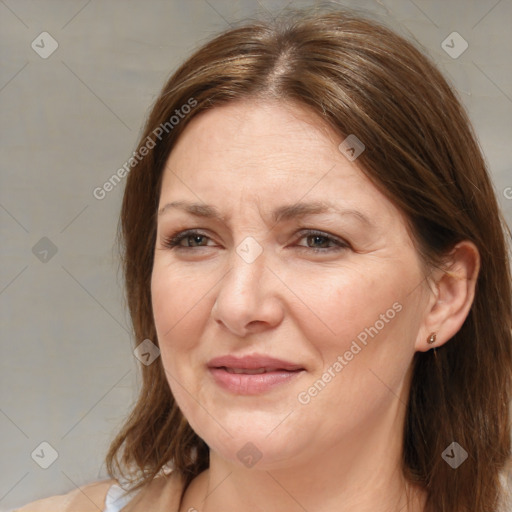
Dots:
(452, 297)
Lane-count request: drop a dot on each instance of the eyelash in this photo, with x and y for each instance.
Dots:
(174, 240)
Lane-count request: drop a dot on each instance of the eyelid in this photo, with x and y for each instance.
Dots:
(316, 232)
(173, 241)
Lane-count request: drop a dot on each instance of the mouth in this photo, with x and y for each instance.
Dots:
(254, 371)
(255, 363)
(252, 375)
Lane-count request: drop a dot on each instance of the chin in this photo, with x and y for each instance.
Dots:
(255, 448)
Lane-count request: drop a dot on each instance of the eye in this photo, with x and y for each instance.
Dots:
(320, 241)
(317, 241)
(190, 236)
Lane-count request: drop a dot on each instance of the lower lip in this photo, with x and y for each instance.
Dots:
(255, 384)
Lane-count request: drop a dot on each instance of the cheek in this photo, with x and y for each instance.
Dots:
(176, 296)
(182, 299)
(367, 319)
(173, 305)
(337, 305)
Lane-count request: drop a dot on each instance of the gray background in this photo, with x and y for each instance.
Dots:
(68, 122)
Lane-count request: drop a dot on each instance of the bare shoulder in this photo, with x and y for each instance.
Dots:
(88, 498)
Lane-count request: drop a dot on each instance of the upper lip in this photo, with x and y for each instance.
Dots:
(253, 362)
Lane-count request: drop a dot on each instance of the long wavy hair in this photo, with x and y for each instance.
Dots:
(421, 152)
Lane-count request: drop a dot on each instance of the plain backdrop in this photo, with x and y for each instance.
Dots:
(69, 120)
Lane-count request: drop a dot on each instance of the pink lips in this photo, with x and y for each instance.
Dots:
(252, 375)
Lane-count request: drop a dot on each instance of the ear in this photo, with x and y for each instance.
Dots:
(453, 291)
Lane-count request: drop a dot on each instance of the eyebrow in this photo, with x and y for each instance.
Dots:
(283, 213)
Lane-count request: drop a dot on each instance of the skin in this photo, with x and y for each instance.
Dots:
(342, 450)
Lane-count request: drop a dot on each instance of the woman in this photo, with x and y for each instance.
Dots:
(313, 247)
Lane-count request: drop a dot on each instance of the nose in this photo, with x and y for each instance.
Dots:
(248, 300)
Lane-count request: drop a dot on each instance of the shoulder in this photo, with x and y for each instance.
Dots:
(88, 498)
(163, 493)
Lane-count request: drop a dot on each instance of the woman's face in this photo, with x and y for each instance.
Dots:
(315, 316)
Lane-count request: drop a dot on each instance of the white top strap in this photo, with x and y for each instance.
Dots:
(117, 498)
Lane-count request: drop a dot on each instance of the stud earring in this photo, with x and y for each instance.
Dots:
(431, 339)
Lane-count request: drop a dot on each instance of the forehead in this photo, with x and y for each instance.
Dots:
(253, 134)
(265, 152)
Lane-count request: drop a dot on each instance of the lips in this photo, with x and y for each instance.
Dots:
(253, 364)
(248, 371)
(252, 375)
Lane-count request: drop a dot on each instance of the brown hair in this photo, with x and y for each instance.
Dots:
(363, 79)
